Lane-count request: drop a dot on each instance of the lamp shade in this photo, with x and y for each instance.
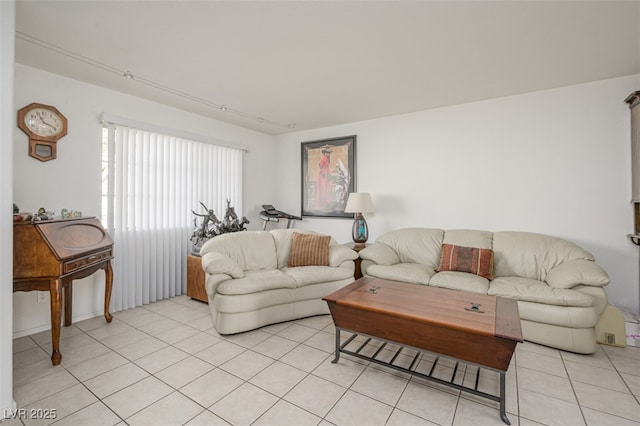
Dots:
(359, 202)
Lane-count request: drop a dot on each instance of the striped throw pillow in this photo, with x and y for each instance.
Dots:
(473, 260)
(309, 249)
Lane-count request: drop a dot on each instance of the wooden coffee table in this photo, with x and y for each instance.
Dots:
(472, 328)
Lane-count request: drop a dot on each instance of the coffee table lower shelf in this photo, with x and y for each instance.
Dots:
(376, 345)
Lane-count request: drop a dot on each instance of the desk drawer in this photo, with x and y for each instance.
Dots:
(84, 261)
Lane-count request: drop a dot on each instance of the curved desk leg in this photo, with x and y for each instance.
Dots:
(55, 291)
(107, 290)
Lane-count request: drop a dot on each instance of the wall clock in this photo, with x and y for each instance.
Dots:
(44, 125)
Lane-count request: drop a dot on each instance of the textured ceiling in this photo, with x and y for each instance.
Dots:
(302, 65)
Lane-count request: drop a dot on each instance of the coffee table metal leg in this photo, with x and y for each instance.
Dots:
(337, 358)
(503, 395)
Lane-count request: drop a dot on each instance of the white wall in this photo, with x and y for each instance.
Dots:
(555, 162)
(7, 117)
(73, 180)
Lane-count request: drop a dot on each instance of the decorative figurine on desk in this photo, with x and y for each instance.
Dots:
(43, 215)
(68, 214)
(20, 217)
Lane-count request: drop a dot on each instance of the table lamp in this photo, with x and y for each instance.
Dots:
(358, 203)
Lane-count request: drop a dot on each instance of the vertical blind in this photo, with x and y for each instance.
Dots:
(151, 184)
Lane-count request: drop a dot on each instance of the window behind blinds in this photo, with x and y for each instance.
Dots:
(151, 184)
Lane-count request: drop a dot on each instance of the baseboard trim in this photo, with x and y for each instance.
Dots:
(45, 327)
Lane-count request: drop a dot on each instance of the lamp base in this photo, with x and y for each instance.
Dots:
(360, 230)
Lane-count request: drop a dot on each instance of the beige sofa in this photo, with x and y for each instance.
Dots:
(558, 285)
(249, 284)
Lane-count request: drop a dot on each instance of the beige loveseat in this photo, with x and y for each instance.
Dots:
(557, 284)
(249, 283)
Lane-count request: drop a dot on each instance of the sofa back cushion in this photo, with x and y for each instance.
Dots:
(531, 255)
(251, 250)
(468, 238)
(415, 245)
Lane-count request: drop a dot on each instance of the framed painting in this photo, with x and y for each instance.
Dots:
(328, 176)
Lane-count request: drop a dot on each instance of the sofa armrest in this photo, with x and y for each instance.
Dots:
(338, 254)
(212, 282)
(380, 254)
(217, 263)
(578, 271)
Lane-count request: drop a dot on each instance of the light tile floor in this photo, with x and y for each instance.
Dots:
(164, 364)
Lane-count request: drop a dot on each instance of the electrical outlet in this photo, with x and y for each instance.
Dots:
(610, 338)
(42, 297)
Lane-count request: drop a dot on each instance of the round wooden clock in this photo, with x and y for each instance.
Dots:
(44, 125)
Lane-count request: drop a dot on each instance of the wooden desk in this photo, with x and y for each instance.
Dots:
(49, 255)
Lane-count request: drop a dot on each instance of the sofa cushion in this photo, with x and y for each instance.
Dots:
(257, 281)
(415, 245)
(574, 272)
(597, 294)
(251, 250)
(478, 261)
(338, 254)
(468, 238)
(460, 281)
(380, 254)
(415, 273)
(254, 302)
(305, 275)
(563, 316)
(529, 290)
(309, 249)
(218, 263)
(530, 255)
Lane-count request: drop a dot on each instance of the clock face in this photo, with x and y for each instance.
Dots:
(43, 122)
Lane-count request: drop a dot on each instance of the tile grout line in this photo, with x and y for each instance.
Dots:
(100, 400)
(590, 384)
(78, 380)
(279, 398)
(634, 396)
(150, 374)
(248, 380)
(132, 361)
(573, 389)
(515, 371)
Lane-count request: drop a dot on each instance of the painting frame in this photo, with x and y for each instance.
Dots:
(328, 176)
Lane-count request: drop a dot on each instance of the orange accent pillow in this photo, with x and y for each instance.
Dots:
(309, 249)
(473, 260)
